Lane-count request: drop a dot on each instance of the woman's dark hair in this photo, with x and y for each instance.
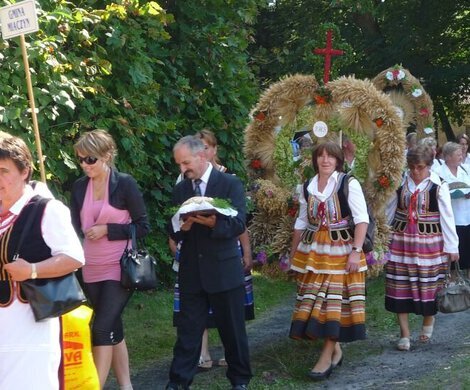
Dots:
(15, 149)
(332, 149)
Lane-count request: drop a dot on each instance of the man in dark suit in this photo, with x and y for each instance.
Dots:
(210, 269)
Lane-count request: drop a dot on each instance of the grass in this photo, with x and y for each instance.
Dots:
(456, 376)
(377, 318)
(279, 364)
(282, 363)
(148, 318)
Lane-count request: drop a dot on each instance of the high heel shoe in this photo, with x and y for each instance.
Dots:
(319, 376)
(338, 364)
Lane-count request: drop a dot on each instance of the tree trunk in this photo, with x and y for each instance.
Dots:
(441, 113)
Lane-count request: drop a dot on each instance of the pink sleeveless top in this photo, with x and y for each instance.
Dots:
(101, 256)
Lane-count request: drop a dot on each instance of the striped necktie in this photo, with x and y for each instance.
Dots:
(197, 188)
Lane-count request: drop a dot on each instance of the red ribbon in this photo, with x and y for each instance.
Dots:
(321, 211)
(413, 208)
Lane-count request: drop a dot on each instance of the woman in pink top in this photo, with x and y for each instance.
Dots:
(104, 204)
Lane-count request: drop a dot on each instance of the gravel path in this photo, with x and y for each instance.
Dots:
(384, 368)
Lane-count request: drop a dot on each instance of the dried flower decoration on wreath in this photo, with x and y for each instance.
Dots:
(396, 74)
(424, 111)
(261, 258)
(322, 95)
(416, 91)
(259, 115)
(428, 129)
(379, 122)
(383, 182)
(292, 205)
(256, 164)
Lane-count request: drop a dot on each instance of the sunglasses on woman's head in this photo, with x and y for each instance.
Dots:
(88, 160)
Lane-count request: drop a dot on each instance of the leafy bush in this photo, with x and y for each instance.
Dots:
(131, 68)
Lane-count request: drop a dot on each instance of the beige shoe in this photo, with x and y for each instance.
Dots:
(404, 344)
(204, 364)
(222, 363)
(426, 332)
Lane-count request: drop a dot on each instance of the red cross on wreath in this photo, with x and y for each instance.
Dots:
(328, 52)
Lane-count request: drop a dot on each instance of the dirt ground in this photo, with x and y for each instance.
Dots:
(385, 368)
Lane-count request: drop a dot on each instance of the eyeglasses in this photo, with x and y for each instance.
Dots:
(88, 160)
(417, 167)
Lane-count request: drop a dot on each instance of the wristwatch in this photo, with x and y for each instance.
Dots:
(356, 249)
(34, 274)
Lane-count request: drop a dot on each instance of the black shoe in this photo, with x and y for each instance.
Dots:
(240, 387)
(340, 361)
(319, 376)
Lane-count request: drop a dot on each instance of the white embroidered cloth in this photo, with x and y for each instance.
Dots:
(198, 205)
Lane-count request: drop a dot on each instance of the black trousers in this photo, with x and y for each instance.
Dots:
(229, 314)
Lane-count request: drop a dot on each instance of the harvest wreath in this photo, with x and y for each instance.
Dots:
(348, 104)
(409, 96)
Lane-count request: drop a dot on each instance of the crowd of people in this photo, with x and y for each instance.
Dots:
(429, 220)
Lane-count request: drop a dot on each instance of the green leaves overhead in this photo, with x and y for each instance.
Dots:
(147, 75)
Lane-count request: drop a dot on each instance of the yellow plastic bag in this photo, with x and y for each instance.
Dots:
(79, 368)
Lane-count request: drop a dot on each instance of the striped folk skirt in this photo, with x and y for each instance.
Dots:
(330, 302)
(415, 272)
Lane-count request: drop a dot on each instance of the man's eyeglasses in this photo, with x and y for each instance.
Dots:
(88, 160)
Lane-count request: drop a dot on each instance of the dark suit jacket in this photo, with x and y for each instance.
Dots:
(124, 194)
(209, 258)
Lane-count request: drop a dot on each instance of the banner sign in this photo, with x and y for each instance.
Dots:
(18, 19)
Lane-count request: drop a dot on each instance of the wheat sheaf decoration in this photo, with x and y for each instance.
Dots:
(344, 103)
(409, 97)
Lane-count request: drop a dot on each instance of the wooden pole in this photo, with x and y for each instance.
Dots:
(33, 108)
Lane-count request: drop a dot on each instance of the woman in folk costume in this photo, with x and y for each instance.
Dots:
(423, 239)
(329, 260)
(30, 351)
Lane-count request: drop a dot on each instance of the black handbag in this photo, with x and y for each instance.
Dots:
(455, 294)
(137, 266)
(49, 297)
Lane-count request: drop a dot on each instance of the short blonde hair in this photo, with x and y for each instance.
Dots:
(211, 140)
(208, 136)
(96, 143)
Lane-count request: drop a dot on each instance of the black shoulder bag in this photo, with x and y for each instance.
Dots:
(49, 297)
(137, 266)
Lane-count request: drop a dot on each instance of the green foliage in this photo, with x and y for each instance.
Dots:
(128, 67)
(221, 203)
(283, 158)
(283, 153)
